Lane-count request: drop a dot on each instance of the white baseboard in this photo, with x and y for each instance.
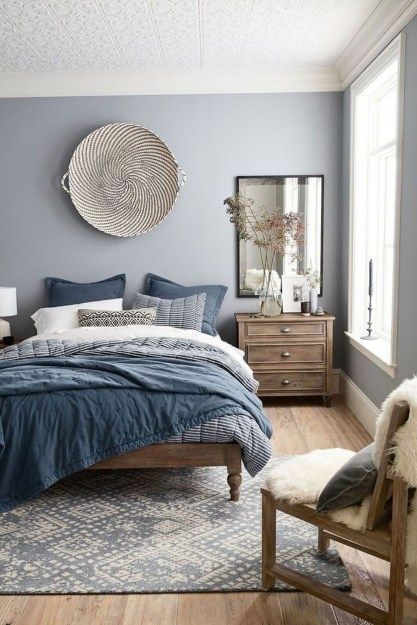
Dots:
(362, 407)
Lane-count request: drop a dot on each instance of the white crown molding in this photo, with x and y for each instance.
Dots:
(362, 407)
(52, 84)
(384, 23)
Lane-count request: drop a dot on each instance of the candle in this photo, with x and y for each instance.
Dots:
(370, 276)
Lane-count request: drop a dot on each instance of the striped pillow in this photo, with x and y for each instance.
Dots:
(88, 318)
(183, 312)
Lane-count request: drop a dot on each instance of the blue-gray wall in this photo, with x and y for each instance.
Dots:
(371, 379)
(214, 138)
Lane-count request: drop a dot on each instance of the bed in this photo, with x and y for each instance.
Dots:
(125, 397)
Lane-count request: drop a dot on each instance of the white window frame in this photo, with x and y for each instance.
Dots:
(377, 350)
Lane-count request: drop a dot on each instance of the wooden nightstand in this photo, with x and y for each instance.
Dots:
(289, 354)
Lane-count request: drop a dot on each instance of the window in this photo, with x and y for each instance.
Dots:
(376, 133)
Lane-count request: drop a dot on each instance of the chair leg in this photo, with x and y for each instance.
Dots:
(323, 542)
(398, 548)
(269, 525)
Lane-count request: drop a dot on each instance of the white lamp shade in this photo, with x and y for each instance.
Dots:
(8, 304)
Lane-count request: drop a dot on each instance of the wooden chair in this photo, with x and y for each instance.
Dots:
(383, 540)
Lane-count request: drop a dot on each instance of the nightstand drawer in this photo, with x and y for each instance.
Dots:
(281, 328)
(284, 354)
(290, 381)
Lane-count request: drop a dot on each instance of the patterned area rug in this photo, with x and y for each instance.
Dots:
(150, 531)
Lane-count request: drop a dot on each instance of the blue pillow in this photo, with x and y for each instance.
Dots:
(166, 289)
(64, 292)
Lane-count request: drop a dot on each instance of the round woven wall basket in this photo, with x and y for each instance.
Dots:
(123, 179)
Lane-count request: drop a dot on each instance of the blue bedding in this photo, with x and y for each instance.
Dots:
(65, 406)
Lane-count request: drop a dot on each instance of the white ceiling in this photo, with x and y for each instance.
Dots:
(86, 37)
(39, 35)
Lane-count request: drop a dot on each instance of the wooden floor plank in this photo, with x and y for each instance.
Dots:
(297, 608)
(315, 426)
(208, 608)
(349, 426)
(287, 438)
(44, 610)
(151, 610)
(11, 608)
(299, 426)
(254, 608)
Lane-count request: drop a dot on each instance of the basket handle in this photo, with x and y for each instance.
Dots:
(182, 177)
(64, 177)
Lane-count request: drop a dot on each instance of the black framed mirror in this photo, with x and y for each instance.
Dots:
(299, 194)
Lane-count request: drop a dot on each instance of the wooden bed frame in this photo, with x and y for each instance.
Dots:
(174, 455)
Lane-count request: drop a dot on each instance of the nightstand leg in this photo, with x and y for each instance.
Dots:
(327, 401)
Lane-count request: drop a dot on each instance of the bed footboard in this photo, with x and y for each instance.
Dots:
(175, 455)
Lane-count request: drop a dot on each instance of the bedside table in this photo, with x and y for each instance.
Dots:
(290, 354)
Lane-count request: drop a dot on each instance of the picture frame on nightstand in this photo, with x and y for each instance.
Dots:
(293, 288)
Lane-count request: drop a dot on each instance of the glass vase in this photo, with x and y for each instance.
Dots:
(270, 302)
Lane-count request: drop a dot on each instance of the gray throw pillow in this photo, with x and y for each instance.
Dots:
(354, 481)
(167, 289)
(88, 318)
(183, 312)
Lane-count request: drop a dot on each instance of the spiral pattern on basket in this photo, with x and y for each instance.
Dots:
(123, 179)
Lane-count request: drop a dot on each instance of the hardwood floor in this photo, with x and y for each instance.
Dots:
(299, 426)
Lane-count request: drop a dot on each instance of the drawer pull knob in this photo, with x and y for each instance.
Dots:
(286, 382)
(286, 330)
(285, 354)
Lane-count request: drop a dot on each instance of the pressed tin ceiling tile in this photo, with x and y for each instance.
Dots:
(88, 35)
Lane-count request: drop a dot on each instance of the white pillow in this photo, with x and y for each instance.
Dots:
(59, 318)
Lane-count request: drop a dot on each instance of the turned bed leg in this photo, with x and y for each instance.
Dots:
(234, 480)
(234, 470)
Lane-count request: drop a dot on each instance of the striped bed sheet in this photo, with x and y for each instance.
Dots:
(241, 429)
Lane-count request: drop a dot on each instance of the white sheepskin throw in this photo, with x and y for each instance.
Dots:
(302, 478)
(404, 446)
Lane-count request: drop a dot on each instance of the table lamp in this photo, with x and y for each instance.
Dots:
(8, 308)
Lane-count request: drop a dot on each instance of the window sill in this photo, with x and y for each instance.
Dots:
(377, 351)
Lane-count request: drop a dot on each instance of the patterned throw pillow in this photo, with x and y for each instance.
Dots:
(183, 312)
(114, 318)
(162, 287)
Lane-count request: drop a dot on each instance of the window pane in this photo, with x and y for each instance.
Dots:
(384, 298)
(386, 122)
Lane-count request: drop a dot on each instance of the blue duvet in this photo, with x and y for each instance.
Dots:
(61, 413)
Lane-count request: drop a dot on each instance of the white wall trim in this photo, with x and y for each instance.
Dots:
(155, 82)
(385, 22)
(362, 407)
(365, 348)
